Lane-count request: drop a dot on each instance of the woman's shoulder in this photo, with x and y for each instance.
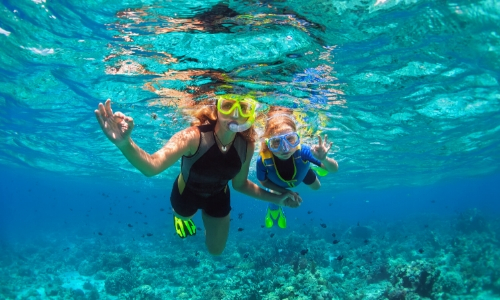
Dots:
(189, 133)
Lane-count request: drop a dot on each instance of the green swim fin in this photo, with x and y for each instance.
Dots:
(320, 171)
(275, 215)
(184, 228)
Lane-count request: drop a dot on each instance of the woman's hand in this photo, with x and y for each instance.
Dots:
(320, 150)
(291, 199)
(117, 127)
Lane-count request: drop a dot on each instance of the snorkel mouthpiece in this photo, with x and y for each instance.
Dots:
(235, 127)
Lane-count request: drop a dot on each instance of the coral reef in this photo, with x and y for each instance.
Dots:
(414, 263)
(119, 281)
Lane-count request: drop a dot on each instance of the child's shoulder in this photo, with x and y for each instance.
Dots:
(265, 154)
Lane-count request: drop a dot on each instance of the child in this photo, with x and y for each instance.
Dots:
(284, 162)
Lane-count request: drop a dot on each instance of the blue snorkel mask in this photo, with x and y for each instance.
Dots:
(284, 142)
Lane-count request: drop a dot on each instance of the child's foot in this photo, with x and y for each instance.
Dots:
(275, 213)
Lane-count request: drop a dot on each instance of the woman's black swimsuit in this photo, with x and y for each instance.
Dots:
(206, 174)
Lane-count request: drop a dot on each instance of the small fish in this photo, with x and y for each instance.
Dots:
(149, 234)
(304, 251)
(154, 116)
(240, 216)
(334, 235)
(426, 226)
(66, 249)
(421, 250)
(340, 257)
(358, 224)
(261, 226)
(99, 233)
(246, 255)
(433, 201)
(230, 266)
(197, 253)
(162, 209)
(240, 229)
(293, 55)
(323, 225)
(365, 241)
(130, 225)
(309, 212)
(271, 235)
(335, 242)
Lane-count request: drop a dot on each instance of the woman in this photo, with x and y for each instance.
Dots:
(284, 162)
(215, 149)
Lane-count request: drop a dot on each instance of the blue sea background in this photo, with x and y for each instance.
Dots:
(407, 90)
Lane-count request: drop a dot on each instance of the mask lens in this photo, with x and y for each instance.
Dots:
(225, 106)
(246, 108)
(274, 143)
(292, 139)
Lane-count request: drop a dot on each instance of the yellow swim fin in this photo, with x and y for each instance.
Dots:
(184, 228)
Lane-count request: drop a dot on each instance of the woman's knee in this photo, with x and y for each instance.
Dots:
(217, 232)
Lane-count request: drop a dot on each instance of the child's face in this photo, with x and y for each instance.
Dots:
(288, 151)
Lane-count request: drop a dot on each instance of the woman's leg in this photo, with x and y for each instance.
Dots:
(216, 231)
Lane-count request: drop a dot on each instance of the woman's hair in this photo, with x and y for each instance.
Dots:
(277, 117)
(207, 114)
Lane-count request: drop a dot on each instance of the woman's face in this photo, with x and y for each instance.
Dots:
(287, 151)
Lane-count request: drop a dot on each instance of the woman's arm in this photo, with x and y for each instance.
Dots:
(179, 144)
(118, 128)
(241, 183)
(273, 186)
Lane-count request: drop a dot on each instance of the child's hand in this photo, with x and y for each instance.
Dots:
(293, 199)
(320, 150)
(289, 202)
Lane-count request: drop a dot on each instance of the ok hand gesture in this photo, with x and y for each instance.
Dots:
(320, 150)
(117, 127)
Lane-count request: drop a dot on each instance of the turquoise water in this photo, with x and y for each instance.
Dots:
(407, 90)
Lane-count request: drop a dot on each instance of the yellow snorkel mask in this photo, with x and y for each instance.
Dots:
(238, 106)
